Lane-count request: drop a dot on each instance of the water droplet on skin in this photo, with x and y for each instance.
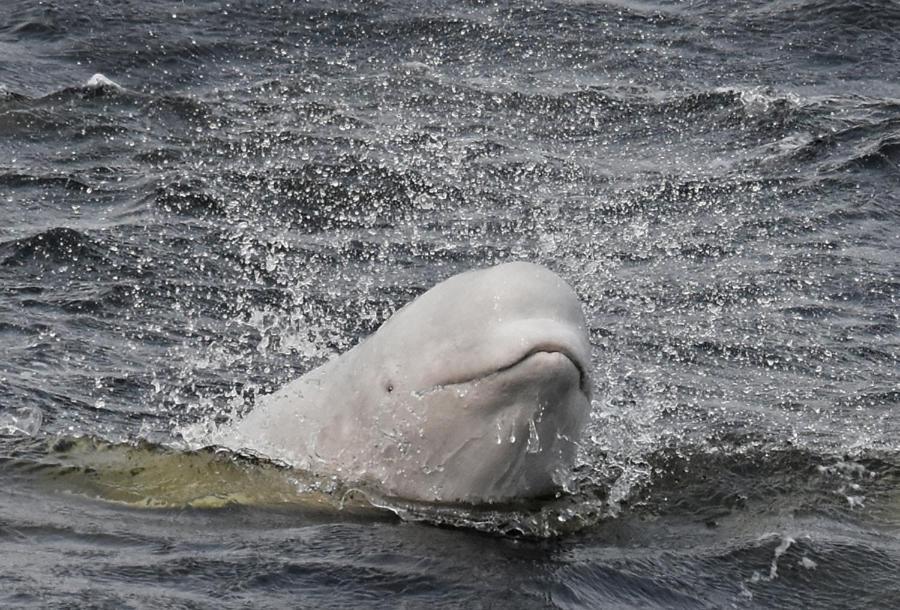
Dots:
(534, 439)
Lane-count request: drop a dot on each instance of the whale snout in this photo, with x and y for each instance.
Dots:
(558, 364)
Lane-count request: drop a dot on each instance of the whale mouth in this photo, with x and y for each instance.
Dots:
(584, 380)
(574, 361)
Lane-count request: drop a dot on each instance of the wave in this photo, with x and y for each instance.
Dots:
(19, 180)
(881, 155)
(705, 484)
(315, 196)
(187, 197)
(600, 106)
(853, 17)
(57, 245)
(104, 110)
(45, 23)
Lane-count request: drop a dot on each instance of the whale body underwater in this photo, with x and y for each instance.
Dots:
(475, 392)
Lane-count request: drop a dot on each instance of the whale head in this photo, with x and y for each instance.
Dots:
(477, 391)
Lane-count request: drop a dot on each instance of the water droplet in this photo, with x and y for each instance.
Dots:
(534, 439)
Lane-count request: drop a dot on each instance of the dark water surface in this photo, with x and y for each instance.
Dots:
(255, 186)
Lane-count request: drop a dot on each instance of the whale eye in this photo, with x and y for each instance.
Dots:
(389, 387)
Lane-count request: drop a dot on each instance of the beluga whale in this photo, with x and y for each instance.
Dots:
(476, 392)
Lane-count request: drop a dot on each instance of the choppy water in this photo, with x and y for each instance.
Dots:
(262, 183)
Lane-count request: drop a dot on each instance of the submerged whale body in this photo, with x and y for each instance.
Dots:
(477, 392)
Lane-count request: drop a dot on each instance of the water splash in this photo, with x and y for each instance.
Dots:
(22, 420)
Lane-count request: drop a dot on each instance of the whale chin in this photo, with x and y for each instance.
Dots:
(506, 435)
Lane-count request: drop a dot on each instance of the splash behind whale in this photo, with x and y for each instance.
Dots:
(476, 392)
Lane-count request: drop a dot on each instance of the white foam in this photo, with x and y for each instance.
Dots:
(98, 81)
